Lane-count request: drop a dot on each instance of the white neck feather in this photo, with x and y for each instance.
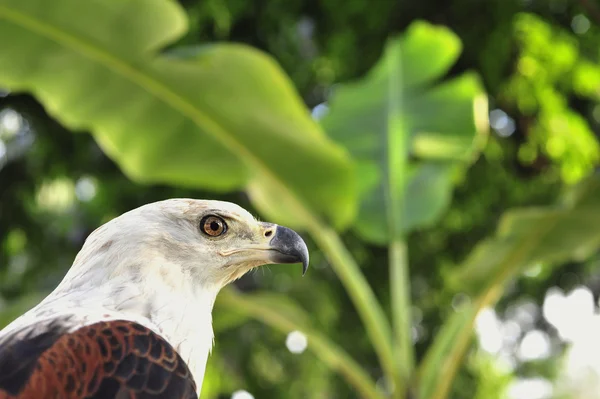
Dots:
(165, 301)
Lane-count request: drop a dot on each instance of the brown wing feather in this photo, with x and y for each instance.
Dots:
(113, 359)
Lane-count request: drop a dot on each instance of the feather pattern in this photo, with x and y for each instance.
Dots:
(109, 359)
(132, 318)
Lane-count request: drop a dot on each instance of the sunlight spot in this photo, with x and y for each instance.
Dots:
(296, 342)
(2, 151)
(572, 315)
(415, 334)
(534, 346)
(306, 28)
(581, 368)
(488, 329)
(56, 196)
(319, 111)
(552, 307)
(503, 124)
(580, 24)
(11, 123)
(533, 271)
(85, 189)
(241, 394)
(498, 119)
(530, 388)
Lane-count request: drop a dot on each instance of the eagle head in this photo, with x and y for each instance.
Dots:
(211, 242)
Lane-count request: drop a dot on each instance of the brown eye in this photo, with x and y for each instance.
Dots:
(213, 226)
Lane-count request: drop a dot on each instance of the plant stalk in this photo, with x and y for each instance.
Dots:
(453, 362)
(361, 294)
(396, 151)
(401, 309)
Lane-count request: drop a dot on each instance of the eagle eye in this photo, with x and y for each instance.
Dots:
(213, 226)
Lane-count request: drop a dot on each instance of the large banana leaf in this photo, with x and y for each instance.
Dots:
(399, 111)
(220, 117)
(549, 235)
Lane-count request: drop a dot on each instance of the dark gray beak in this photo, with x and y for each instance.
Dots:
(289, 247)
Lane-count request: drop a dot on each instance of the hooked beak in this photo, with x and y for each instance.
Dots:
(288, 247)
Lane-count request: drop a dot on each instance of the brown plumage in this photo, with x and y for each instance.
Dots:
(113, 359)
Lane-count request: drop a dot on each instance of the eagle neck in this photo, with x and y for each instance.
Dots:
(162, 298)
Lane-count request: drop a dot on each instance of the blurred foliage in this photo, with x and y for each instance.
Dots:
(550, 66)
(540, 68)
(526, 237)
(229, 101)
(395, 111)
(494, 378)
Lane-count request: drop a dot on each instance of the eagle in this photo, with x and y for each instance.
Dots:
(132, 318)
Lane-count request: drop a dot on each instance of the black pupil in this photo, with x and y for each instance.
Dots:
(214, 226)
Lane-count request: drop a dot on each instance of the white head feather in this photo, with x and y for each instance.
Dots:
(155, 265)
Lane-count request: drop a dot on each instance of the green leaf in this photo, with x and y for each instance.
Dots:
(429, 186)
(220, 117)
(284, 315)
(567, 231)
(551, 235)
(439, 355)
(398, 111)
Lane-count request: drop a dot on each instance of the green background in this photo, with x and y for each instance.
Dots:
(402, 155)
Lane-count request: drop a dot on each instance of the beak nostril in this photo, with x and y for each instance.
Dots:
(268, 233)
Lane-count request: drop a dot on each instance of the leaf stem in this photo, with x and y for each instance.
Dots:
(394, 190)
(454, 359)
(369, 309)
(401, 308)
